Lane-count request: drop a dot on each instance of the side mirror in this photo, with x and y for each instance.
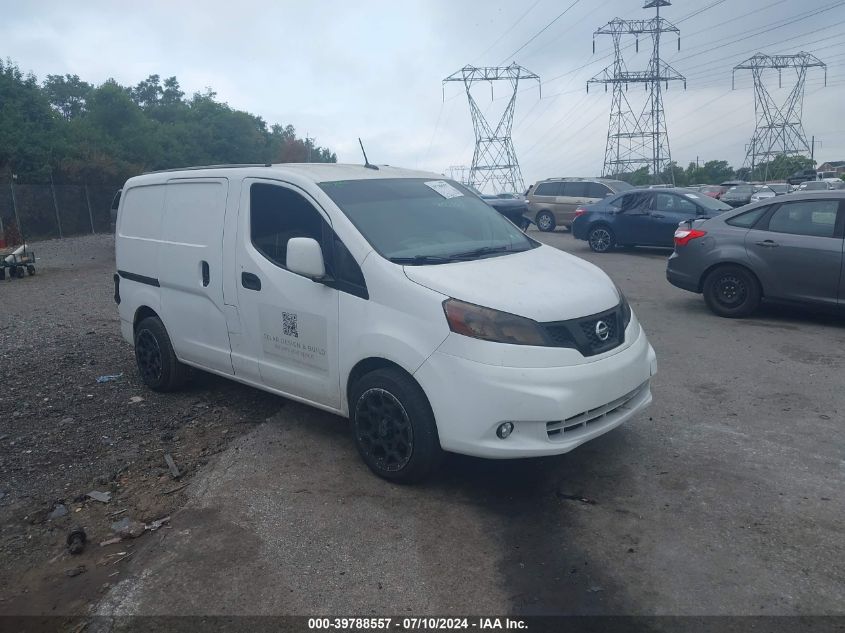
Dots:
(305, 257)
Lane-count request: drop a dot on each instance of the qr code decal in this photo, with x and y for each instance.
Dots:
(289, 324)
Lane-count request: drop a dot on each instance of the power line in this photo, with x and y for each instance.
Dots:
(511, 28)
(540, 32)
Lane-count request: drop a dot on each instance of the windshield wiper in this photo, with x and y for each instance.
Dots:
(421, 260)
(484, 250)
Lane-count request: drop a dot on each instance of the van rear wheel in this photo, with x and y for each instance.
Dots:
(393, 426)
(157, 363)
(545, 221)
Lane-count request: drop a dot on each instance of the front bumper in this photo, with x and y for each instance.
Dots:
(553, 409)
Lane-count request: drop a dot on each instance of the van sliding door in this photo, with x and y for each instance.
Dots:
(191, 271)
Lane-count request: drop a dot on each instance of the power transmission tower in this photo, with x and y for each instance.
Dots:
(459, 173)
(494, 160)
(778, 130)
(635, 139)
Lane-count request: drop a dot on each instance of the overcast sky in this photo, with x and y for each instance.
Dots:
(339, 70)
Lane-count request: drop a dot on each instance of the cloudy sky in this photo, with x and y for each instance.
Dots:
(339, 70)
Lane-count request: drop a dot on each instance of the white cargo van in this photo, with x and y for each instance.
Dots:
(396, 298)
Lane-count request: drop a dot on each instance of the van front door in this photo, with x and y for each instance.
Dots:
(190, 262)
(290, 323)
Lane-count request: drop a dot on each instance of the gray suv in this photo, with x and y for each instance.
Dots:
(786, 249)
(552, 202)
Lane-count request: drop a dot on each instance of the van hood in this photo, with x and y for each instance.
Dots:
(544, 284)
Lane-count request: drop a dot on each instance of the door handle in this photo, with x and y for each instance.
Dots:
(659, 216)
(767, 243)
(206, 274)
(250, 281)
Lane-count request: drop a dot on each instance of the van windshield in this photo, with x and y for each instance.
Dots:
(416, 221)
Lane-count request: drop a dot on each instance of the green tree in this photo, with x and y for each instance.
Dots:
(71, 129)
(68, 94)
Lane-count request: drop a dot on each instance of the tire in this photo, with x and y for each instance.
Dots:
(545, 221)
(732, 291)
(601, 238)
(31, 270)
(402, 445)
(524, 224)
(157, 363)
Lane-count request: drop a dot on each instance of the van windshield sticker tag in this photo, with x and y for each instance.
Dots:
(443, 188)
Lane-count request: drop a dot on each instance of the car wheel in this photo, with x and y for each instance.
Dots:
(393, 426)
(601, 238)
(157, 363)
(524, 223)
(732, 291)
(545, 221)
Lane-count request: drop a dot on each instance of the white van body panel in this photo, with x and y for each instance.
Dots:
(302, 338)
(189, 253)
(543, 294)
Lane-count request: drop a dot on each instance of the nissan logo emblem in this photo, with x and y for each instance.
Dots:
(602, 330)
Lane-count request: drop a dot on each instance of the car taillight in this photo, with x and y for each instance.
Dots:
(580, 211)
(683, 236)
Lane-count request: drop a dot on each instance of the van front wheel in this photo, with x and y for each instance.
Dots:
(157, 363)
(393, 426)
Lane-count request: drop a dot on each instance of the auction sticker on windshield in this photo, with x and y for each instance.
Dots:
(443, 188)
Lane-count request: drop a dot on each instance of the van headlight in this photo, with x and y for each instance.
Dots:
(491, 325)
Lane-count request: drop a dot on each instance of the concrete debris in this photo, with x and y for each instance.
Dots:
(174, 470)
(59, 510)
(127, 528)
(102, 497)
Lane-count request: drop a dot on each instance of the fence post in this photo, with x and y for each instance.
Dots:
(90, 214)
(15, 205)
(55, 204)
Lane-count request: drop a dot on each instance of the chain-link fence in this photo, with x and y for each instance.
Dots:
(46, 211)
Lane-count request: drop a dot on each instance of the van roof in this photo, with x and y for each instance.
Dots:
(316, 172)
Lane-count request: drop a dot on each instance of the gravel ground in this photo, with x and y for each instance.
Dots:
(63, 434)
(724, 498)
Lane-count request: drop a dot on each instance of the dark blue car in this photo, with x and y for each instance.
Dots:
(643, 217)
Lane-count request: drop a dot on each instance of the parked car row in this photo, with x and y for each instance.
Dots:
(754, 243)
(788, 249)
(642, 217)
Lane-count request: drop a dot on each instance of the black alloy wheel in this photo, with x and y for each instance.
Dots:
(157, 363)
(148, 356)
(384, 430)
(393, 426)
(601, 239)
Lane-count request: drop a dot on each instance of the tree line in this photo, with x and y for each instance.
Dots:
(714, 172)
(69, 130)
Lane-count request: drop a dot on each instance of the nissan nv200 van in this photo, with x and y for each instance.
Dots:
(396, 298)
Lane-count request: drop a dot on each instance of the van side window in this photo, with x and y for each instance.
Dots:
(597, 190)
(276, 214)
(576, 189)
(547, 189)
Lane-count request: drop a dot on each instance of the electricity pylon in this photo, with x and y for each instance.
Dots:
(637, 139)
(494, 160)
(459, 173)
(778, 130)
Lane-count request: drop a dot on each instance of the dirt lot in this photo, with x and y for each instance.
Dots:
(725, 498)
(63, 434)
